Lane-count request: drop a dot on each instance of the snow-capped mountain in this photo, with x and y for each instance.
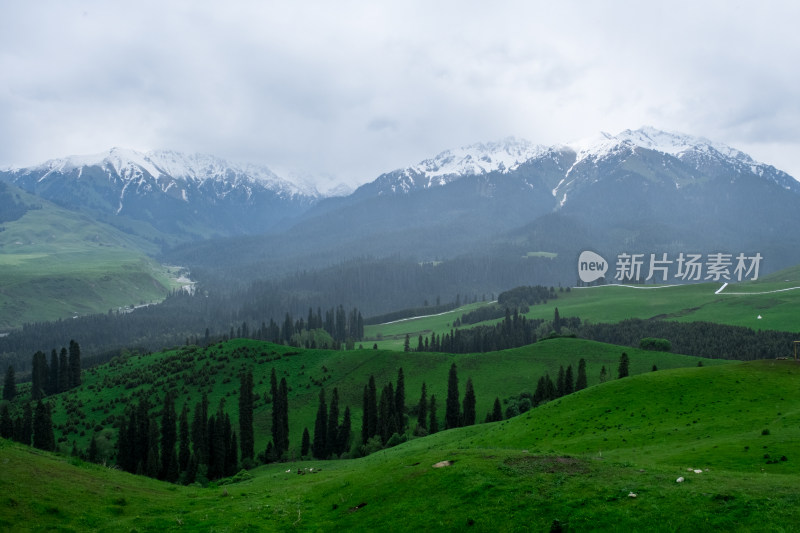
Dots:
(577, 158)
(181, 196)
(474, 160)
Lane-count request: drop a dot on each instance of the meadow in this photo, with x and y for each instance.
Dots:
(57, 264)
(713, 449)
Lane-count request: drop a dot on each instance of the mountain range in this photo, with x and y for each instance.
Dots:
(642, 190)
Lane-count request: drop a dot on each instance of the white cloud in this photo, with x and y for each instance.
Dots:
(352, 89)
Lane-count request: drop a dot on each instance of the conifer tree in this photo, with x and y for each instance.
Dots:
(74, 364)
(283, 392)
(38, 376)
(343, 443)
(153, 462)
(433, 422)
(452, 415)
(184, 437)
(10, 384)
(623, 365)
(332, 430)
(407, 344)
(560, 387)
(569, 381)
(497, 411)
(468, 411)
(422, 408)
(305, 443)
(557, 321)
(26, 433)
(200, 437)
(52, 379)
(6, 423)
(63, 370)
(386, 414)
(400, 402)
(247, 441)
(319, 447)
(169, 438)
(603, 374)
(370, 418)
(580, 383)
(93, 453)
(43, 437)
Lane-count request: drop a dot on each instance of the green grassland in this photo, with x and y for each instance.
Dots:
(215, 370)
(775, 298)
(606, 458)
(56, 264)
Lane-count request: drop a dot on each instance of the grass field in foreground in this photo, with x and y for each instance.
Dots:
(606, 458)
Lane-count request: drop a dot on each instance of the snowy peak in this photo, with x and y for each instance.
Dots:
(166, 167)
(476, 159)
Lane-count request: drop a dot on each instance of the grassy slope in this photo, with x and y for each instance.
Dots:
(56, 264)
(613, 303)
(106, 390)
(575, 460)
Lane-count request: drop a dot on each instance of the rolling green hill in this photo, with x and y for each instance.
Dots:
(609, 457)
(55, 263)
(215, 370)
(774, 298)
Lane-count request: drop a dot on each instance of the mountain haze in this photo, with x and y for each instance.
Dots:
(644, 191)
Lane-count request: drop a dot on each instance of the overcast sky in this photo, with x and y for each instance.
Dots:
(354, 89)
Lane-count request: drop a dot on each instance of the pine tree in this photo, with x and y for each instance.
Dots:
(283, 392)
(10, 384)
(386, 414)
(623, 365)
(6, 423)
(343, 443)
(400, 402)
(43, 437)
(63, 370)
(74, 364)
(247, 441)
(580, 383)
(169, 437)
(200, 437)
(332, 430)
(497, 411)
(184, 436)
(557, 321)
(153, 462)
(370, 418)
(603, 374)
(52, 379)
(277, 424)
(231, 449)
(433, 422)
(38, 376)
(452, 415)
(407, 344)
(26, 433)
(569, 382)
(319, 447)
(305, 443)
(422, 408)
(93, 453)
(560, 382)
(468, 411)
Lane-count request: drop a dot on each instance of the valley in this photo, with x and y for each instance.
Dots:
(420, 353)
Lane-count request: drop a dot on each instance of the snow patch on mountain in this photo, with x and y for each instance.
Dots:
(503, 156)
